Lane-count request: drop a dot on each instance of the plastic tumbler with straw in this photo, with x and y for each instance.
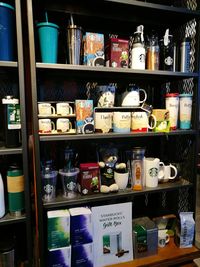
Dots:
(74, 43)
(48, 40)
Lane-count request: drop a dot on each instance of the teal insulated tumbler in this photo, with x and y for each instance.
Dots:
(48, 40)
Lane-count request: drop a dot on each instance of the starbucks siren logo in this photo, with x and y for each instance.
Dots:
(153, 172)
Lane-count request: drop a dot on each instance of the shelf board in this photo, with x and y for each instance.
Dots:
(79, 199)
(9, 151)
(108, 70)
(8, 219)
(60, 137)
(167, 256)
(9, 64)
(159, 7)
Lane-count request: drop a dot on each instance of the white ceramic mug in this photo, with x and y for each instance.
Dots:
(121, 122)
(46, 125)
(163, 238)
(131, 97)
(140, 121)
(63, 109)
(103, 121)
(45, 109)
(164, 174)
(121, 179)
(151, 166)
(63, 125)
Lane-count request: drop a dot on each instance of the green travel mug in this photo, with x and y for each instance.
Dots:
(15, 187)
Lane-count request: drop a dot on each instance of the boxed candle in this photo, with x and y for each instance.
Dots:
(58, 225)
(81, 226)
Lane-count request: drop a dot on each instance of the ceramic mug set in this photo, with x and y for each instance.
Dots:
(48, 126)
(157, 172)
(62, 109)
(124, 122)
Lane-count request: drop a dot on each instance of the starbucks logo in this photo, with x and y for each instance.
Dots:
(153, 172)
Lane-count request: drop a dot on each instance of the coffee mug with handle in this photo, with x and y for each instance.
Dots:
(46, 126)
(163, 238)
(165, 172)
(131, 97)
(63, 125)
(140, 121)
(45, 109)
(121, 122)
(151, 167)
(63, 109)
(103, 122)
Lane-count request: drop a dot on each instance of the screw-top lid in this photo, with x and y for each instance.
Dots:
(10, 100)
(172, 95)
(7, 5)
(72, 172)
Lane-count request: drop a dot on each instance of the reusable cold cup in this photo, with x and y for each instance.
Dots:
(172, 104)
(49, 181)
(69, 181)
(6, 32)
(74, 43)
(185, 111)
(48, 39)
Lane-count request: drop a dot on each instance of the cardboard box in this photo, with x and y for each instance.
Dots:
(162, 120)
(117, 51)
(93, 49)
(89, 178)
(84, 116)
(59, 257)
(145, 237)
(81, 226)
(82, 255)
(58, 224)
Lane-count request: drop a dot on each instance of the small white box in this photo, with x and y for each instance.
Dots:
(81, 226)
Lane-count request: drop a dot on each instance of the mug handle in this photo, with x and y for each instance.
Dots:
(70, 110)
(167, 238)
(145, 96)
(53, 124)
(70, 125)
(162, 165)
(154, 122)
(53, 110)
(175, 171)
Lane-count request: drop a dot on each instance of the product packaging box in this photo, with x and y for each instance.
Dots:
(84, 116)
(145, 237)
(81, 226)
(162, 120)
(93, 49)
(82, 255)
(117, 51)
(58, 222)
(89, 178)
(59, 257)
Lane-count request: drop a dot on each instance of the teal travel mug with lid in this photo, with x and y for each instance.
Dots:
(15, 187)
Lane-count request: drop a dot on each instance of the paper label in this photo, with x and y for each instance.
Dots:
(15, 184)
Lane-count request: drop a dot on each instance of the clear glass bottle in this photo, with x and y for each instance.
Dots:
(153, 52)
(138, 168)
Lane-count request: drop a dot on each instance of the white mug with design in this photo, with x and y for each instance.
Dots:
(45, 109)
(103, 121)
(140, 121)
(131, 97)
(64, 109)
(163, 238)
(165, 172)
(151, 166)
(121, 122)
(46, 125)
(63, 125)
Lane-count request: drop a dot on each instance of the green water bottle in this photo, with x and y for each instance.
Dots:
(15, 187)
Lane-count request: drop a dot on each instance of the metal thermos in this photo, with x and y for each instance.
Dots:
(167, 52)
(185, 55)
(15, 187)
(12, 121)
(153, 51)
(74, 44)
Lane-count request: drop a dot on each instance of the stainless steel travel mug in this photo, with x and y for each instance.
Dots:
(74, 43)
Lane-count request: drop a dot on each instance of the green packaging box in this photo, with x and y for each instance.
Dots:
(58, 228)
